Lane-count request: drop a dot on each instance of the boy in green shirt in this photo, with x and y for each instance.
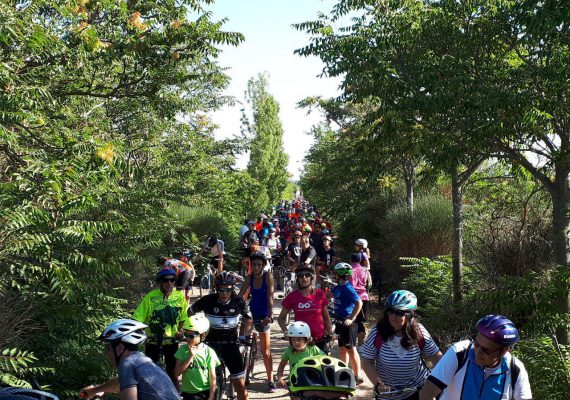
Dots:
(299, 335)
(196, 361)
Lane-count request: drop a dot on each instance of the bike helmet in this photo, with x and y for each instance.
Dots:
(212, 241)
(307, 229)
(258, 256)
(15, 393)
(225, 278)
(326, 231)
(272, 229)
(165, 272)
(304, 268)
(327, 237)
(322, 373)
(343, 269)
(124, 330)
(299, 329)
(197, 323)
(403, 300)
(297, 233)
(187, 253)
(361, 242)
(499, 329)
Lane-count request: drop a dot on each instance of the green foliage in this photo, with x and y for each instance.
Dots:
(268, 160)
(548, 366)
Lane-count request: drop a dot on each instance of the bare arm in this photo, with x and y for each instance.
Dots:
(355, 311)
(369, 369)
(270, 290)
(111, 386)
(327, 321)
(212, 373)
(280, 371)
(435, 358)
(245, 287)
(281, 318)
(129, 393)
(429, 391)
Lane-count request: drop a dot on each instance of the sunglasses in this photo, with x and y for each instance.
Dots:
(398, 313)
(304, 275)
(168, 280)
(485, 350)
(225, 290)
(191, 334)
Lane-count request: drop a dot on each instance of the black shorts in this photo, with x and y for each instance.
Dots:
(183, 279)
(362, 316)
(229, 352)
(196, 396)
(346, 335)
(152, 350)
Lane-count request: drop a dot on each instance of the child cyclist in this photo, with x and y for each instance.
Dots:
(347, 306)
(196, 361)
(299, 335)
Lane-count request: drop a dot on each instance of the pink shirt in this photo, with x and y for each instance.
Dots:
(358, 281)
(308, 309)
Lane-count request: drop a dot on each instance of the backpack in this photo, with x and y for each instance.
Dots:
(463, 355)
(378, 341)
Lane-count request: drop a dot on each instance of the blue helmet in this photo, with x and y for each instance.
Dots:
(499, 329)
(403, 300)
(165, 272)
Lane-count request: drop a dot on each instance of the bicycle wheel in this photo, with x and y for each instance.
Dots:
(220, 381)
(253, 355)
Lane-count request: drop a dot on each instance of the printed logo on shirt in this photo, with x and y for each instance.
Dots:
(305, 305)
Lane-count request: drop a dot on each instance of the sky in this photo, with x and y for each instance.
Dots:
(268, 47)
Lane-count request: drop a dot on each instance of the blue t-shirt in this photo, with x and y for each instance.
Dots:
(345, 298)
(151, 381)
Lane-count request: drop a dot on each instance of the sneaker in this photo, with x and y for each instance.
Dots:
(271, 387)
(359, 380)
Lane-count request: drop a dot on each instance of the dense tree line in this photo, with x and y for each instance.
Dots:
(466, 101)
(108, 159)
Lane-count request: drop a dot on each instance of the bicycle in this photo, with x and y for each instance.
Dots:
(160, 340)
(249, 355)
(392, 392)
(223, 384)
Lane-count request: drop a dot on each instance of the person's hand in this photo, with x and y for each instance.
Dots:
(89, 392)
(191, 350)
(281, 383)
(348, 322)
(328, 331)
(266, 321)
(179, 335)
(380, 387)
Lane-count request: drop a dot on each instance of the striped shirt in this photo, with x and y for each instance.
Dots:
(396, 366)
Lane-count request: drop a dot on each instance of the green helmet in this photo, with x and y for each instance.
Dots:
(343, 269)
(322, 373)
(198, 323)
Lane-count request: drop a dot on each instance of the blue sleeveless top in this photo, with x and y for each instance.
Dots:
(258, 302)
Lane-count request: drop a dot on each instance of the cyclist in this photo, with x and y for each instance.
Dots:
(184, 271)
(216, 248)
(246, 239)
(393, 351)
(299, 335)
(359, 279)
(361, 246)
(164, 310)
(347, 306)
(327, 259)
(197, 362)
(139, 377)
(224, 309)
(482, 369)
(317, 239)
(308, 253)
(309, 305)
(273, 244)
(321, 377)
(294, 251)
(260, 284)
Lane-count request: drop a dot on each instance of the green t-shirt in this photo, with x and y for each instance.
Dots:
(294, 356)
(196, 378)
(162, 315)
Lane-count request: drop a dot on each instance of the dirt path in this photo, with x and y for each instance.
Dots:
(258, 386)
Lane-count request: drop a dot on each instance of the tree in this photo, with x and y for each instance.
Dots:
(268, 160)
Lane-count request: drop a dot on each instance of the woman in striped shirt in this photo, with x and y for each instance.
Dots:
(393, 351)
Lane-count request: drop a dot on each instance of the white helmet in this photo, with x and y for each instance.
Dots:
(124, 330)
(299, 329)
(361, 242)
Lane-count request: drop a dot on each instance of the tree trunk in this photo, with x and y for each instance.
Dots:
(409, 174)
(560, 195)
(457, 251)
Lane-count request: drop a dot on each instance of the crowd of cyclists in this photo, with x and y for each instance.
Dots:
(328, 303)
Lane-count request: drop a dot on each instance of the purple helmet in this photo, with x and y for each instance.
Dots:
(499, 329)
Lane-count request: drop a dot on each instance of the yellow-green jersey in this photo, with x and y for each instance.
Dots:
(162, 315)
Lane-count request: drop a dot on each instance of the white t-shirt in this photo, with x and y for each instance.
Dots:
(445, 373)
